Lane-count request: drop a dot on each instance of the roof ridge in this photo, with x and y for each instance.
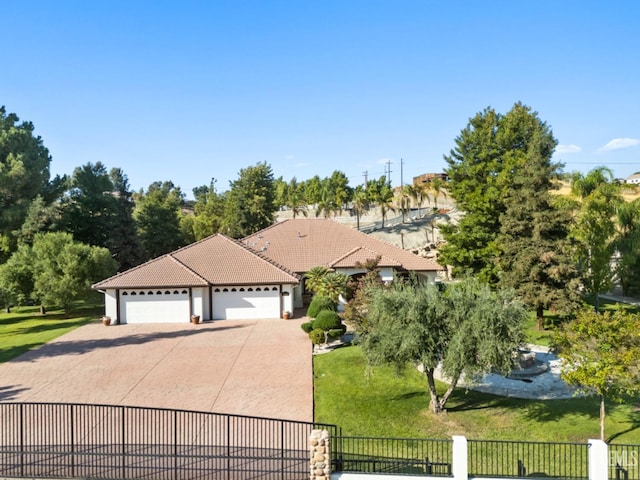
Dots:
(262, 257)
(189, 269)
(349, 253)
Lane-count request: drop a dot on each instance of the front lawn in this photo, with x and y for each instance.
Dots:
(25, 329)
(383, 404)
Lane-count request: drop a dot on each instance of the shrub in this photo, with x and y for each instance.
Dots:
(318, 304)
(327, 320)
(336, 333)
(307, 327)
(317, 336)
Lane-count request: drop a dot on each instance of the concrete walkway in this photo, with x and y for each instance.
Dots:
(253, 367)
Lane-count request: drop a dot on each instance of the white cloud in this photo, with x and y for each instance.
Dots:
(568, 149)
(619, 143)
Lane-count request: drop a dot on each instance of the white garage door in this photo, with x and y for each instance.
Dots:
(154, 306)
(246, 302)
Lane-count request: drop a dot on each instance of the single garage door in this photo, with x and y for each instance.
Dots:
(235, 303)
(154, 306)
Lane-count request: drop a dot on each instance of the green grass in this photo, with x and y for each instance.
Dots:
(383, 404)
(25, 329)
(544, 337)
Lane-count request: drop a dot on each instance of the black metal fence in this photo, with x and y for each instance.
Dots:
(56, 440)
(624, 462)
(497, 458)
(392, 455)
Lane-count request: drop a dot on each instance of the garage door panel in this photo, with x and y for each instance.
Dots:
(246, 303)
(159, 307)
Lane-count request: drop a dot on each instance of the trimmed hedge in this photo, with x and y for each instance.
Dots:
(318, 304)
(316, 336)
(307, 327)
(327, 320)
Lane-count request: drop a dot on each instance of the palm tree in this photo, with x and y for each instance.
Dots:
(438, 187)
(315, 277)
(404, 201)
(294, 198)
(384, 200)
(327, 204)
(360, 203)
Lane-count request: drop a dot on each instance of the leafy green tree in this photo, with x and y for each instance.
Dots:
(90, 209)
(157, 215)
(471, 329)
(602, 355)
(250, 203)
(16, 277)
(208, 211)
(489, 152)
(313, 190)
(24, 174)
(536, 258)
(56, 270)
(598, 197)
(627, 244)
(338, 185)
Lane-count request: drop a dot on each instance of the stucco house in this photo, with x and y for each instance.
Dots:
(633, 179)
(260, 276)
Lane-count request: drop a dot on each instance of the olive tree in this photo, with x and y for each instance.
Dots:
(468, 329)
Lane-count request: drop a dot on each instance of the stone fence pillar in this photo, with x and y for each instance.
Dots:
(320, 452)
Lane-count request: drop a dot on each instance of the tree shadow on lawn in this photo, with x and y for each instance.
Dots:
(80, 347)
(555, 410)
(54, 325)
(466, 400)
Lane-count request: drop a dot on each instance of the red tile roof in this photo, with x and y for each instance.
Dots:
(302, 244)
(215, 260)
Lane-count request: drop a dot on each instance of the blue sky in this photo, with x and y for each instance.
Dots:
(190, 90)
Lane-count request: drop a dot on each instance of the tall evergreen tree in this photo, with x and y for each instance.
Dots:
(124, 243)
(24, 174)
(90, 209)
(536, 260)
(489, 152)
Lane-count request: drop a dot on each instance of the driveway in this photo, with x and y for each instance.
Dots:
(252, 367)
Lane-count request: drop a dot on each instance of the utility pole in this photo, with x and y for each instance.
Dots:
(366, 177)
(389, 173)
(401, 179)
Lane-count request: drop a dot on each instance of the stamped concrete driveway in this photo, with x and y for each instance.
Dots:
(252, 367)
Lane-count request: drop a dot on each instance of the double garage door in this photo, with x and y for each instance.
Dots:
(172, 305)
